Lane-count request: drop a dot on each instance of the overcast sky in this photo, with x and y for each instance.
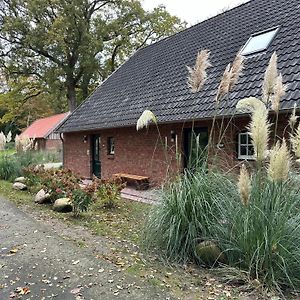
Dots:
(193, 11)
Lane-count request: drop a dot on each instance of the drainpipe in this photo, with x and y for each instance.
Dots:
(63, 148)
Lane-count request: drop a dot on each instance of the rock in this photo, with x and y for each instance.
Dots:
(19, 186)
(210, 253)
(63, 205)
(42, 197)
(49, 166)
(21, 180)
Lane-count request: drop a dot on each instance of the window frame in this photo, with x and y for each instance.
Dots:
(247, 144)
(275, 29)
(111, 145)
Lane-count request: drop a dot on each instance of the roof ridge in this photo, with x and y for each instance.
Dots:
(197, 24)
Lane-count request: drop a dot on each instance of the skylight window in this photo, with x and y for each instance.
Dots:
(259, 42)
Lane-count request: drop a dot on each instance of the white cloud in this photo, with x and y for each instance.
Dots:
(193, 11)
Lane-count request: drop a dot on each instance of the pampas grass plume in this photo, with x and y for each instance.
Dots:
(236, 70)
(279, 92)
(244, 185)
(197, 74)
(249, 104)
(295, 140)
(259, 130)
(223, 88)
(293, 118)
(145, 119)
(279, 165)
(270, 78)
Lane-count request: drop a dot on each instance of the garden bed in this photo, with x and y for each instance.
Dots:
(118, 233)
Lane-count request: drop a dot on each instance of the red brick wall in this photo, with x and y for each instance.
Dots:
(76, 154)
(53, 145)
(141, 153)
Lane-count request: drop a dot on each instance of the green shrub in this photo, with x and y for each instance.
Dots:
(109, 193)
(81, 201)
(189, 205)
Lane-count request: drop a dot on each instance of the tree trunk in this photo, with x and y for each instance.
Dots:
(71, 95)
(85, 85)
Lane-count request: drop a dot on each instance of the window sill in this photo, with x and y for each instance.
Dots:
(251, 158)
(110, 156)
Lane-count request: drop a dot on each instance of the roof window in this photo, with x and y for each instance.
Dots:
(259, 42)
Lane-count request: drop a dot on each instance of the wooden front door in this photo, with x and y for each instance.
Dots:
(195, 144)
(96, 155)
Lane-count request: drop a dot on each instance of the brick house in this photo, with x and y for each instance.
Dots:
(43, 132)
(100, 136)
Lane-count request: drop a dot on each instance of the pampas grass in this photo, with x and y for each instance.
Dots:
(244, 185)
(224, 85)
(259, 129)
(270, 78)
(279, 165)
(250, 104)
(23, 143)
(295, 141)
(145, 119)
(197, 74)
(293, 118)
(236, 70)
(182, 219)
(2, 141)
(263, 238)
(279, 92)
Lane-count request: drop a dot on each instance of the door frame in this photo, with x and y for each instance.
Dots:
(186, 145)
(95, 138)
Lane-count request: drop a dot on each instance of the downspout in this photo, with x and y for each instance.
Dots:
(63, 148)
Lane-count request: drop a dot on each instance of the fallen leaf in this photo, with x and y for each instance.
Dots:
(22, 291)
(13, 250)
(76, 291)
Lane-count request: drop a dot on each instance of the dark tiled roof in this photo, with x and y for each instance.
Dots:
(155, 77)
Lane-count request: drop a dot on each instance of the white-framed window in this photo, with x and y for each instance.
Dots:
(259, 41)
(245, 146)
(111, 146)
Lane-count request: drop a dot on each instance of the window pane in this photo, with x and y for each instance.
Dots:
(111, 145)
(243, 150)
(243, 138)
(259, 42)
(250, 150)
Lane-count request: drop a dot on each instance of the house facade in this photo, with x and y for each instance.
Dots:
(43, 132)
(100, 137)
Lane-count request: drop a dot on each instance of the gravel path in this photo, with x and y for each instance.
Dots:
(36, 260)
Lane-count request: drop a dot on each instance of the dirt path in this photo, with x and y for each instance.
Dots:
(36, 257)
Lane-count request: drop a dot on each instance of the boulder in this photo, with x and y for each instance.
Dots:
(210, 253)
(21, 180)
(63, 205)
(19, 186)
(42, 197)
(49, 166)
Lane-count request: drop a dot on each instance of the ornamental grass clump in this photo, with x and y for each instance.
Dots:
(183, 218)
(263, 237)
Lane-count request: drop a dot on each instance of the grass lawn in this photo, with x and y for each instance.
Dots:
(122, 227)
